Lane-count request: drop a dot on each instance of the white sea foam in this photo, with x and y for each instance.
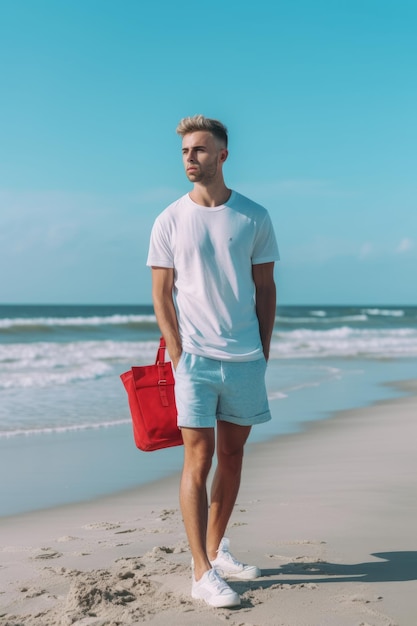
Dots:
(43, 378)
(385, 312)
(277, 395)
(48, 430)
(345, 342)
(39, 322)
(78, 322)
(42, 364)
(322, 319)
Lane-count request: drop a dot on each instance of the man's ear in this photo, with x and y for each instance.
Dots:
(223, 155)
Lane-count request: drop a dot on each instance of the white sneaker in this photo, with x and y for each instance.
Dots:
(213, 590)
(229, 567)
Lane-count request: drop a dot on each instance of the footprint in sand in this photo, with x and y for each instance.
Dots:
(32, 592)
(102, 526)
(67, 538)
(305, 542)
(46, 553)
(363, 599)
(166, 514)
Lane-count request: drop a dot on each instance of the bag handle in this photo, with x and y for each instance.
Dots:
(160, 354)
(160, 362)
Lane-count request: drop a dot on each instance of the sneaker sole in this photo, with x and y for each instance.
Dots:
(218, 603)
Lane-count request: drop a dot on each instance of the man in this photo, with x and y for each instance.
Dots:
(212, 254)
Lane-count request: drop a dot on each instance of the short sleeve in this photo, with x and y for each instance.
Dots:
(160, 249)
(265, 249)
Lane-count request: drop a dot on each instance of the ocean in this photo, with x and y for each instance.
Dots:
(65, 429)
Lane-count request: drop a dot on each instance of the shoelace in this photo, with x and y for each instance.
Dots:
(218, 582)
(229, 557)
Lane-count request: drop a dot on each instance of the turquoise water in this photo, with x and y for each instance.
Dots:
(65, 432)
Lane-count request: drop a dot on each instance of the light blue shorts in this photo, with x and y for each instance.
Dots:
(232, 391)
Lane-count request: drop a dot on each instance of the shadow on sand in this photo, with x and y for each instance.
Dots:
(392, 566)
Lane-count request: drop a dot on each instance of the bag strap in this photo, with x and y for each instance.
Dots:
(160, 354)
(160, 362)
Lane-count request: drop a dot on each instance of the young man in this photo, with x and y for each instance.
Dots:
(212, 254)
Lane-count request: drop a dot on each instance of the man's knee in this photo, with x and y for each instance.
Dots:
(231, 441)
(198, 454)
(230, 458)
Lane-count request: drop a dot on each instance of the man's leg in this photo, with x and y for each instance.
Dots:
(199, 444)
(231, 440)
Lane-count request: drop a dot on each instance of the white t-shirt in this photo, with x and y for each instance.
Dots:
(212, 250)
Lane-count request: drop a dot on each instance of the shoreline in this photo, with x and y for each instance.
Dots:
(102, 462)
(328, 514)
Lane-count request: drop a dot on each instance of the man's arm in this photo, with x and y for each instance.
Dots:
(166, 316)
(266, 302)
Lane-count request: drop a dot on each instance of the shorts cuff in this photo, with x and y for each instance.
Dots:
(246, 421)
(196, 422)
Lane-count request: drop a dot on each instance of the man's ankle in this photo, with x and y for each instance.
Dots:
(199, 573)
(200, 567)
(212, 551)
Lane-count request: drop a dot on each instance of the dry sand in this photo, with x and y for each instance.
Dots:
(329, 515)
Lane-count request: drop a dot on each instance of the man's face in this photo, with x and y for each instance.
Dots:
(202, 157)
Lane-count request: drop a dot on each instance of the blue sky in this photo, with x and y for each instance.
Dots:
(320, 99)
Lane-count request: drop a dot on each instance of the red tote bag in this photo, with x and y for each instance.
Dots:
(150, 390)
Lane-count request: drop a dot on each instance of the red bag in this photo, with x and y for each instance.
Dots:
(150, 390)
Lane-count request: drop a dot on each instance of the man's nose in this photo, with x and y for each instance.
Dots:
(190, 156)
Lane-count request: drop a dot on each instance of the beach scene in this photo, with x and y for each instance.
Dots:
(319, 102)
(94, 524)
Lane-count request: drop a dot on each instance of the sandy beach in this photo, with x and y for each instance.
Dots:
(328, 515)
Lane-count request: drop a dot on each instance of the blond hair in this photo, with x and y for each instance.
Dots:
(199, 122)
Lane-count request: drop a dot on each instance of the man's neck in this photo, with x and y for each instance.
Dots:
(210, 196)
